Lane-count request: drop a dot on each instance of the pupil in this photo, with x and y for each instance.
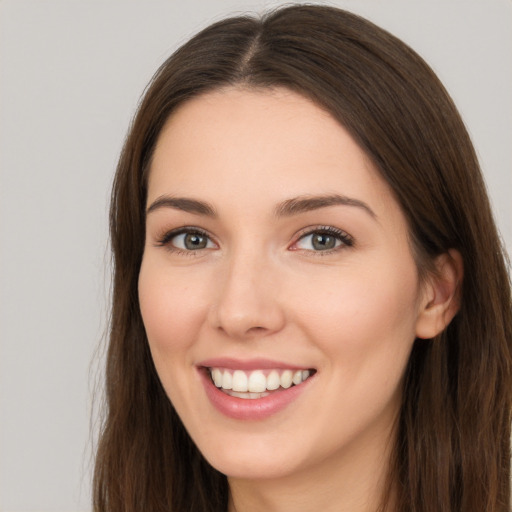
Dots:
(323, 242)
(195, 241)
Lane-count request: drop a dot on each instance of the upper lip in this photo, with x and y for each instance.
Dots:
(249, 364)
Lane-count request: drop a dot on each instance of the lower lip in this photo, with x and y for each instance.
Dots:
(250, 409)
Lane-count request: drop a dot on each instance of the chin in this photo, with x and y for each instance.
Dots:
(254, 456)
(234, 465)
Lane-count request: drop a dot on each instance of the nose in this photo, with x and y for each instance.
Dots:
(247, 303)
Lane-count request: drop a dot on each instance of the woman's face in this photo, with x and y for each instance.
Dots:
(276, 259)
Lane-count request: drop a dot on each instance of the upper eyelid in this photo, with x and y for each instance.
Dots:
(167, 235)
(346, 239)
(325, 229)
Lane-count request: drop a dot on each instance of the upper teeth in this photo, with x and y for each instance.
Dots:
(256, 381)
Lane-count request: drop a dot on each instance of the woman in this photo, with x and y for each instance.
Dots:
(311, 306)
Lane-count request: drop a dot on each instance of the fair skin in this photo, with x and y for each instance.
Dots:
(247, 268)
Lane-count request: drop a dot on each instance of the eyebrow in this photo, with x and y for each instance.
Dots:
(184, 204)
(287, 208)
(303, 204)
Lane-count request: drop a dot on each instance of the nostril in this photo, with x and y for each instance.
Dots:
(256, 331)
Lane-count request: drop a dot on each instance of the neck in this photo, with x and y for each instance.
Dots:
(354, 481)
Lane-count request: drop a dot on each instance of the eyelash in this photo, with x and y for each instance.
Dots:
(345, 239)
(165, 240)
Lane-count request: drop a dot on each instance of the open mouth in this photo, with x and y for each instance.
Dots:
(256, 383)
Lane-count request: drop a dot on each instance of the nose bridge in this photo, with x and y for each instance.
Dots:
(247, 303)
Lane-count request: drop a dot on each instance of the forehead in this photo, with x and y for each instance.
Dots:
(254, 146)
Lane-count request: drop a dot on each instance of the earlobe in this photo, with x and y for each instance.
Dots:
(441, 298)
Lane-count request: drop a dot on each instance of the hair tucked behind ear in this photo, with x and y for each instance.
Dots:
(453, 434)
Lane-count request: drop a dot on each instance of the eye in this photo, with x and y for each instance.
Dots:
(186, 240)
(323, 239)
(191, 241)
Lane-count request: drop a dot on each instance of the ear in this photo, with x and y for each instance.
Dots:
(441, 295)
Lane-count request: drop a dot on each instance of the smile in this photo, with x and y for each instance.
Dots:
(256, 384)
(254, 390)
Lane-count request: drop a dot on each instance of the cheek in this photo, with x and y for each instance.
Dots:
(172, 309)
(365, 329)
(173, 312)
(369, 314)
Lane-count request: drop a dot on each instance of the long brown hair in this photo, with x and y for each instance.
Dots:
(452, 449)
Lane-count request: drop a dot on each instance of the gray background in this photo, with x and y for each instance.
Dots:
(71, 73)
